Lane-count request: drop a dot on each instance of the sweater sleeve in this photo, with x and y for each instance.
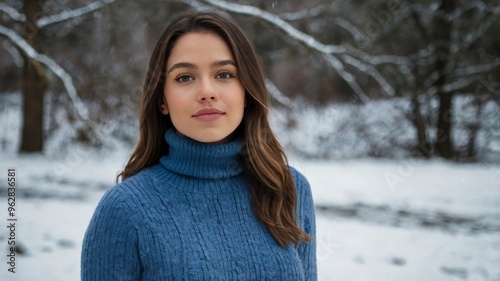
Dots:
(110, 246)
(307, 221)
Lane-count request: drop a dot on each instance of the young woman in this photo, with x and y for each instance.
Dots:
(207, 193)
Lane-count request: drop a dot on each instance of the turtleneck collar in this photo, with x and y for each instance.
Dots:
(191, 158)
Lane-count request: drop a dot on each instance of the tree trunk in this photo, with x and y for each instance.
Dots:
(444, 145)
(474, 127)
(423, 148)
(442, 35)
(34, 85)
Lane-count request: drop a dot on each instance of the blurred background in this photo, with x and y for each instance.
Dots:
(390, 108)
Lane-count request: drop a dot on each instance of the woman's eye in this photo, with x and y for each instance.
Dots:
(225, 75)
(184, 78)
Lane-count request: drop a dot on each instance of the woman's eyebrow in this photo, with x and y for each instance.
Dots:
(222, 63)
(182, 65)
(193, 66)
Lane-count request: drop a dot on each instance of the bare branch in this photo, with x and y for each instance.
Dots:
(304, 13)
(348, 77)
(408, 75)
(278, 95)
(472, 37)
(64, 16)
(379, 59)
(370, 70)
(53, 66)
(476, 69)
(347, 25)
(459, 84)
(197, 5)
(430, 91)
(470, 5)
(273, 19)
(431, 79)
(389, 28)
(481, 6)
(67, 15)
(452, 86)
(12, 13)
(494, 10)
(419, 23)
(14, 53)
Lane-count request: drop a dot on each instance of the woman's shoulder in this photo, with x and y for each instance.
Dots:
(298, 177)
(138, 180)
(129, 190)
(301, 183)
(305, 204)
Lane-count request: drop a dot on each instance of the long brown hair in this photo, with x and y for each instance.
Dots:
(274, 197)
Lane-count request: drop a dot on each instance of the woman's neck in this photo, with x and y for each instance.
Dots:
(209, 161)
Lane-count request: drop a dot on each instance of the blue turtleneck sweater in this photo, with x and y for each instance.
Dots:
(189, 217)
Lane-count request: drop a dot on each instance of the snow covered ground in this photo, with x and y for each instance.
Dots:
(376, 220)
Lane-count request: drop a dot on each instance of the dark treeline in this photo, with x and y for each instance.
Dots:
(427, 52)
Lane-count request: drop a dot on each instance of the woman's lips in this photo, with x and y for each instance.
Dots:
(208, 114)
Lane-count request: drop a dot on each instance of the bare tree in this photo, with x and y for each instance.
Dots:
(452, 29)
(35, 79)
(433, 69)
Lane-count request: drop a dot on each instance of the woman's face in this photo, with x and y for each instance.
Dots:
(203, 93)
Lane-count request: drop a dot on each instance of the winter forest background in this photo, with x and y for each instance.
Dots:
(390, 108)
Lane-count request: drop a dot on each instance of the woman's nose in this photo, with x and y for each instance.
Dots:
(207, 91)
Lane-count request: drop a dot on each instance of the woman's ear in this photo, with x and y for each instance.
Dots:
(164, 107)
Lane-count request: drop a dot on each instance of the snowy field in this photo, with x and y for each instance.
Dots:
(376, 220)
(384, 220)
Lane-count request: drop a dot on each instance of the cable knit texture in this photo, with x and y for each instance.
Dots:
(189, 217)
